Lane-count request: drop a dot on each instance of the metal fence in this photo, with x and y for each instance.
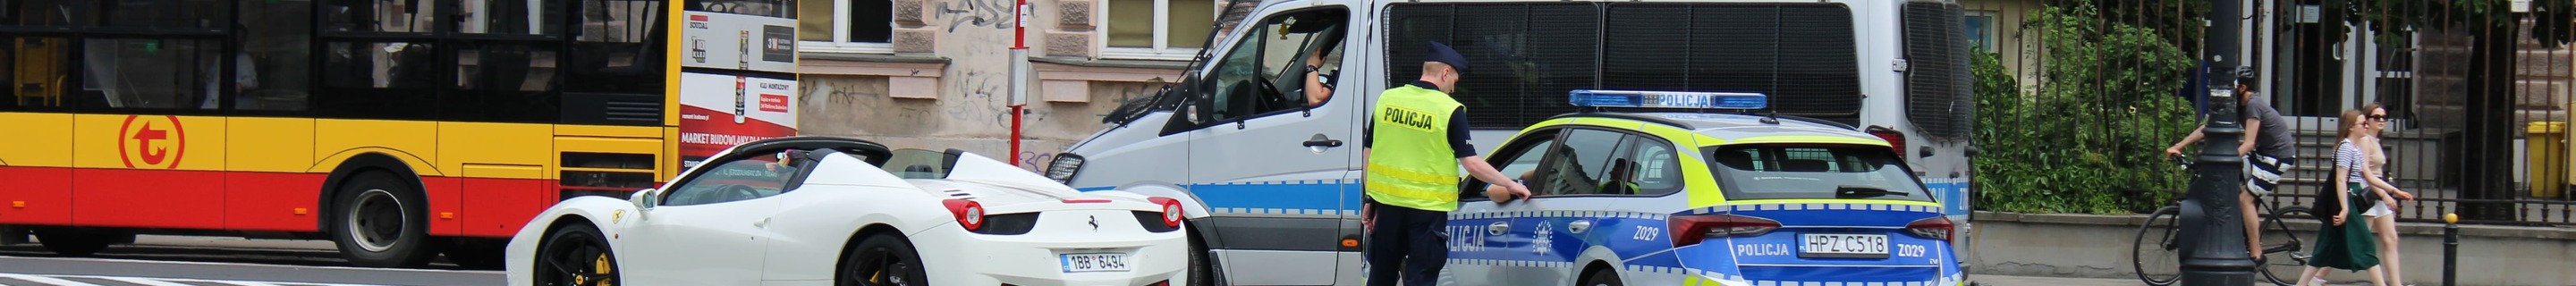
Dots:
(2479, 91)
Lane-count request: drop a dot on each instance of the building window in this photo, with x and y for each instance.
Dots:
(1981, 29)
(1158, 29)
(845, 26)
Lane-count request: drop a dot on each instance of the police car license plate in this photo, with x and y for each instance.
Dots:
(1094, 262)
(1843, 245)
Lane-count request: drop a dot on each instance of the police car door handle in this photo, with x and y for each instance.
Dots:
(1578, 226)
(1498, 228)
(1324, 142)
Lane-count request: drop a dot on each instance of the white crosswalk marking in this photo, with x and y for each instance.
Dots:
(59, 280)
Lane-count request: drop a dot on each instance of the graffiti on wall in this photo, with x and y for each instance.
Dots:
(977, 13)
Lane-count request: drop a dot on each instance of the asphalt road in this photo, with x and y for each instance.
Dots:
(166, 260)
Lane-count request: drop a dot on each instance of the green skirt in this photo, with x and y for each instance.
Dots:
(2350, 246)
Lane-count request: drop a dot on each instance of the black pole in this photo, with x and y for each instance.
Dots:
(2214, 252)
(2450, 248)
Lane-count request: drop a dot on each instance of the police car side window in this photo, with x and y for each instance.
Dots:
(1520, 160)
(1649, 168)
(1582, 164)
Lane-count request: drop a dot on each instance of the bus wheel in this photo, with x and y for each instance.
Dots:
(382, 222)
(67, 241)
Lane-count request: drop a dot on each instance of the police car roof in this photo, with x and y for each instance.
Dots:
(1731, 126)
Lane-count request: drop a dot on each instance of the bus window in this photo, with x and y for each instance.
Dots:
(383, 80)
(511, 17)
(617, 48)
(188, 15)
(151, 73)
(272, 72)
(503, 82)
(37, 69)
(41, 13)
(380, 16)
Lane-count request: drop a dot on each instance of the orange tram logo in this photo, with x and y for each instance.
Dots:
(151, 142)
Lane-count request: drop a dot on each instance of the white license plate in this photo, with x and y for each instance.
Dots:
(1843, 245)
(1094, 262)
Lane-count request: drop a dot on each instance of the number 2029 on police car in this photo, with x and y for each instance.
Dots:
(1096, 262)
(1843, 245)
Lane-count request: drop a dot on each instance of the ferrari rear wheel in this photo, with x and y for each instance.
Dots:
(882, 260)
(576, 255)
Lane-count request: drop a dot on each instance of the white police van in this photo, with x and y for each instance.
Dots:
(1271, 183)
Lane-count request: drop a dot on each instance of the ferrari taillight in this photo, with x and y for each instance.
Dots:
(1172, 214)
(970, 214)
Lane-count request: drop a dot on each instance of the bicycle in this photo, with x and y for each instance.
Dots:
(2280, 241)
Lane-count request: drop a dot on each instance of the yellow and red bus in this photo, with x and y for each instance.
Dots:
(400, 129)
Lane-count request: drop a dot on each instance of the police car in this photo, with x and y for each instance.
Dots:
(1683, 191)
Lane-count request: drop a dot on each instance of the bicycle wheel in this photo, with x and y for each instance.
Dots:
(2157, 254)
(2285, 242)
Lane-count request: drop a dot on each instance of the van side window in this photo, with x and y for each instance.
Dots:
(1265, 72)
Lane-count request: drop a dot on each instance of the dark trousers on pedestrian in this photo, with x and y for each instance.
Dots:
(1407, 243)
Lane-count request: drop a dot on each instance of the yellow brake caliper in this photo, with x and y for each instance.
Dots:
(601, 266)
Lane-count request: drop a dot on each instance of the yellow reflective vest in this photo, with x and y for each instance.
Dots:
(1415, 168)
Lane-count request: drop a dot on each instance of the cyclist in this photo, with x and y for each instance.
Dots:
(2269, 132)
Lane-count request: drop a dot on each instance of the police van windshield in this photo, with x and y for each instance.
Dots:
(1813, 172)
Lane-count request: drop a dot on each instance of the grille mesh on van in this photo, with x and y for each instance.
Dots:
(1526, 56)
(1938, 98)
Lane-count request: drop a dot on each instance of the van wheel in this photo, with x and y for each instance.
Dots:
(1203, 270)
(67, 241)
(1602, 277)
(380, 221)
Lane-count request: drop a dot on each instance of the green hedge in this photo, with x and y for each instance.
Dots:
(2088, 136)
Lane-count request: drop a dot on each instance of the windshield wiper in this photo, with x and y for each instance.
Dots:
(1863, 192)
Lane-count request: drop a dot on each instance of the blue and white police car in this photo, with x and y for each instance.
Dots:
(1690, 188)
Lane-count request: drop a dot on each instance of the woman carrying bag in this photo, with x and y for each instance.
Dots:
(2345, 242)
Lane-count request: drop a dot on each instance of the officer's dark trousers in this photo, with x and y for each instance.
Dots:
(1407, 243)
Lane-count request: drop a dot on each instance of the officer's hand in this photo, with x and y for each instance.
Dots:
(2170, 151)
(1368, 222)
(1507, 193)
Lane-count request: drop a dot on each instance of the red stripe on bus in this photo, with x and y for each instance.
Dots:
(246, 201)
(36, 195)
(265, 201)
(148, 198)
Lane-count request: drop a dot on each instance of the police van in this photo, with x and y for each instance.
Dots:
(1271, 177)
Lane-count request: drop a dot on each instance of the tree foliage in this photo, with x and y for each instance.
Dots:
(2089, 135)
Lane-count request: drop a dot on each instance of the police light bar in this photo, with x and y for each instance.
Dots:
(1669, 99)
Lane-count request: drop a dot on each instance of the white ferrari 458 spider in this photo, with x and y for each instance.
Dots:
(837, 211)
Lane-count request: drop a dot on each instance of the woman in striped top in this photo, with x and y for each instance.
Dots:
(2346, 243)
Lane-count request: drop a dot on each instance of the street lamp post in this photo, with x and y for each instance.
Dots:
(2214, 252)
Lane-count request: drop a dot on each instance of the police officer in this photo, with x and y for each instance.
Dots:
(1412, 186)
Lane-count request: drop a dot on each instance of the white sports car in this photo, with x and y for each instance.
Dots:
(837, 211)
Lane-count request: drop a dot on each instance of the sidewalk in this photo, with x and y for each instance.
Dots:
(2000, 280)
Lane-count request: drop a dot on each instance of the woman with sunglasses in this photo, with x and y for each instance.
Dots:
(2383, 216)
